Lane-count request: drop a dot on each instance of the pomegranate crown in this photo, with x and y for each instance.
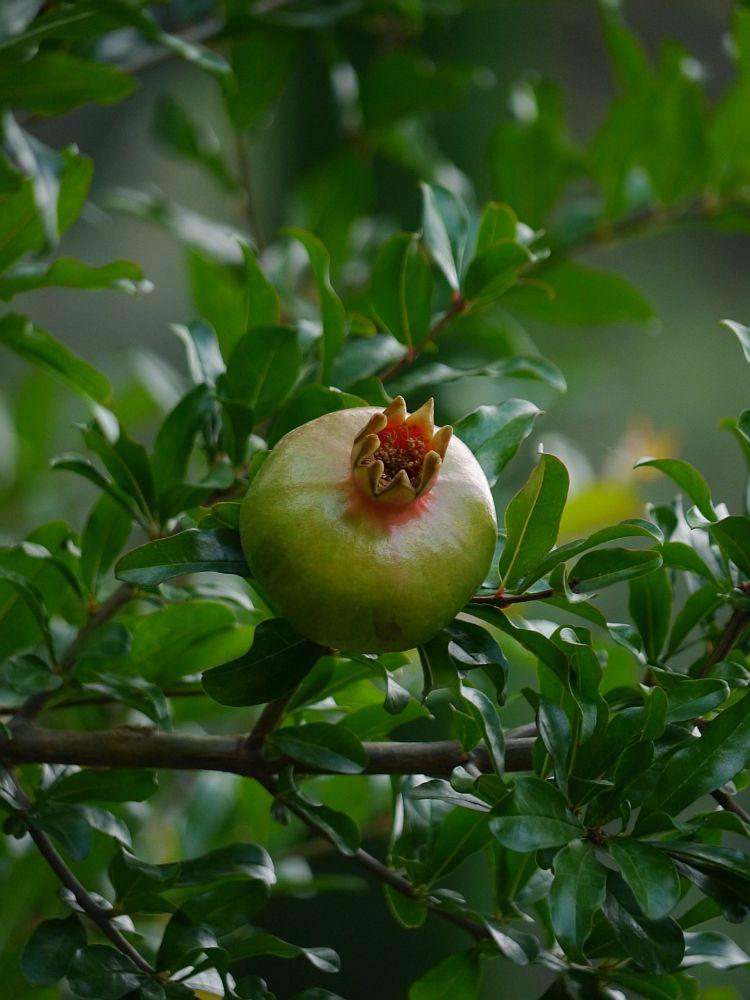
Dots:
(396, 457)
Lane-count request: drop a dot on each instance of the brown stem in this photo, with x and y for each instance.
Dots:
(268, 720)
(379, 870)
(731, 635)
(731, 805)
(143, 747)
(96, 913)
(506, 600)
(457, 306)
(245, 179)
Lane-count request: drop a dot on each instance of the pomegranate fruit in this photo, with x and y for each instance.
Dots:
(368, 528)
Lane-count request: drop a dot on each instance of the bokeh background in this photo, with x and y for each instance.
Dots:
(663, 387)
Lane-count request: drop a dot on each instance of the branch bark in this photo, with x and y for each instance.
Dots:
(142, 747)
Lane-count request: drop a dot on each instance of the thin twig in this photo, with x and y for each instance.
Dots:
(731, 805)
(458, 305)
(731, 635)
(379, 870)
(268, 720)
(96, 913)
(500, 600)
(244, 171)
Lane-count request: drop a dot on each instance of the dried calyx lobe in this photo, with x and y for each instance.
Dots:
(396, 457)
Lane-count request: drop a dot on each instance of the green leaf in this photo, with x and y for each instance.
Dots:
(262, 62)
(22, 337)
(338, 827)
(456, 977)
(241, 860)
(277, 661)
(462, 832)
(714, 949)
(134, 692)
(492, 272)
(106, 531)
(68, 824)
(262, 298)
(126, 461)
(691, 699)
(263, 368)
(99, 972)
(65, 272)
(23, 227)
(534, 816)
(402, 289)
(79, 464)
(363, 357)
(650, 606)
(55, 82)
(557, 735)
(732, 535)
(485, 713)
(532, 519)
(578, 295)
(657, 946)
(625, 529)
(104, 786)
(679, 555)
(531, 159)
(323, 959)
(204, 358)
(596, 570)
(742, 333)
(321, 746)
(331, 307)
(654, 883)
(720, 753)
(48, 953)
(190, 551)
(495, 433)
(576, 895)
(174, 443)
(33, 598)
(497, 224)
(699, 605)
(445, 224)
(687, 478)
(180, 133)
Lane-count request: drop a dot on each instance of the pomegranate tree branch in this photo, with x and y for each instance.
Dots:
(735, 627)
(98, 915)
(501, 600)
(143, 747)
(375, 867)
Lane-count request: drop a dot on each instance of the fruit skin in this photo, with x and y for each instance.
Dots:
(349, 573)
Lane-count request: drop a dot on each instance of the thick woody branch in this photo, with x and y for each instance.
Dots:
(135, 747)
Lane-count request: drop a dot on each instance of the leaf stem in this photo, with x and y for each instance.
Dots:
(458, 305)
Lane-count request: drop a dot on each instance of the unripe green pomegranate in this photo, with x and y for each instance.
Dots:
(369, 528)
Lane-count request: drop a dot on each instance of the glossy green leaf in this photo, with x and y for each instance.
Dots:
(262, 298)
(263, 368)
(332, 311)
(720, 753)
(654, 883)
(174, 442)
(402, 289)
(495, 270)
(22, 337)
(596, 570)
(65, 272)
(275, 664)
(732, 535)
(576, 294)
(534, 816)
(532, 520)
(495, 433)
(49, 951)
(456, 977)
(650, 605)
(321, 746)
(190, 551)
(104, 786)
(486, 715)
(657, 946)
(445, 224)
(103, 972)
(742, 333)
(55, 82)
(687, 478)
(576, 895)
